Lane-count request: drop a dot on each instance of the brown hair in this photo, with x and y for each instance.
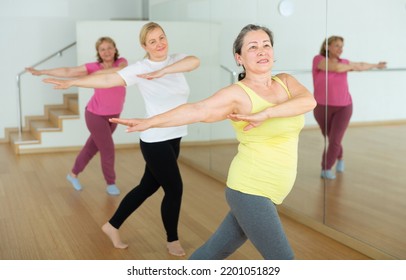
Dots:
(102, 40)
(237, 46)
(330, 40)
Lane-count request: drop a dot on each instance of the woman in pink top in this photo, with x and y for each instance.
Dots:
(104, 104)
(334, 107)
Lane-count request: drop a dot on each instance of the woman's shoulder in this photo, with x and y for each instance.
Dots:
(318, 57)
(232, 89)
(139, 63)
(281, 77)
(237, 90)
(92, 63)
(121, 59)
(92, 66)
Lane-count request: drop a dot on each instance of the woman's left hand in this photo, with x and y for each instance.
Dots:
(58, 83)
(253, 120)
(152, 75)
(381, 65)
(133, 125)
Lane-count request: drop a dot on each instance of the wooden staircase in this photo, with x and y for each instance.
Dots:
(51, 121)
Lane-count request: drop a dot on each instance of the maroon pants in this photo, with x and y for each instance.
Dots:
(100, 140)
(333, 122)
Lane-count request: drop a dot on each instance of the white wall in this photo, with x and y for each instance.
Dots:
(125, 34)
(373, 31)
(31, 31)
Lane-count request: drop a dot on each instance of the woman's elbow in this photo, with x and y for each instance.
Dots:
(312, 103)
(308, 103)
(196, 63)
(113, 80)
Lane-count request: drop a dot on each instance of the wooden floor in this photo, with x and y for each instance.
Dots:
(367, 202)
(42, 217)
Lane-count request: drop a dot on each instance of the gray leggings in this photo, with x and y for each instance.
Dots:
(251, 217)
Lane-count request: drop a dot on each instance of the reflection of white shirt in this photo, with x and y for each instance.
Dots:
(160, 95)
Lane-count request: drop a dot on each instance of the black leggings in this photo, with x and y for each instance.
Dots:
(161, 170)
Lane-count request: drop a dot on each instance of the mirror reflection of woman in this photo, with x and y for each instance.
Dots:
(334, 109)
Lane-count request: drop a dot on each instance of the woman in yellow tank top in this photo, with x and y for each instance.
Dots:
(267, 114)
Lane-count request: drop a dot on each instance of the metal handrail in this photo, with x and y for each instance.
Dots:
(18, 78)
(233, 73)
(302, 71)
(292, 72)
(390, 69)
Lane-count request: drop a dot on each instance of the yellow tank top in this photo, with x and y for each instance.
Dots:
(266, 162)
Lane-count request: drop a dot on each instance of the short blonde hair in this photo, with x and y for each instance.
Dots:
(148, 27)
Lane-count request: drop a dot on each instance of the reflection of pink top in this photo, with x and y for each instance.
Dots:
(106, 101)
(338, 92)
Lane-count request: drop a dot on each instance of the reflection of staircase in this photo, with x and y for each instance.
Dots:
(51, 121)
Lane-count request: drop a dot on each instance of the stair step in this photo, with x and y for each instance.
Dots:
(57, 115)
(42, 125)
(73, 104)
(25, 138)
(38, 126)
(21, 139)
(49, 122)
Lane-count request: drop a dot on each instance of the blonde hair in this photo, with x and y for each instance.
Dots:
(330, 40)
(108, 40)
(148, 27)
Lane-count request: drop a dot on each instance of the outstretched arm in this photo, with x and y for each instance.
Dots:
(91, 81)
(122, 65)
(334, 66)
(212, 109)
(62, 72)
(186, 64)
(362, 66)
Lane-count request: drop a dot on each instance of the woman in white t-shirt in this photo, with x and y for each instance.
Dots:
(160, 79)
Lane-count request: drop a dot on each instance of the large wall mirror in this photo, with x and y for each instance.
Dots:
(367, 202)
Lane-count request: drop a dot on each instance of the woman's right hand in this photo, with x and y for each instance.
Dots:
(381, 65)
(253, 120)
(33, 71)
(152, 75)
(133, 125)
(59, 84)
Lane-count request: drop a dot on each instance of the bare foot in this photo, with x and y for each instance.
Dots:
(174, 248)
(114, 236)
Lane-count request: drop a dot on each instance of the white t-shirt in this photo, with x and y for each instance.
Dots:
(160, 95)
